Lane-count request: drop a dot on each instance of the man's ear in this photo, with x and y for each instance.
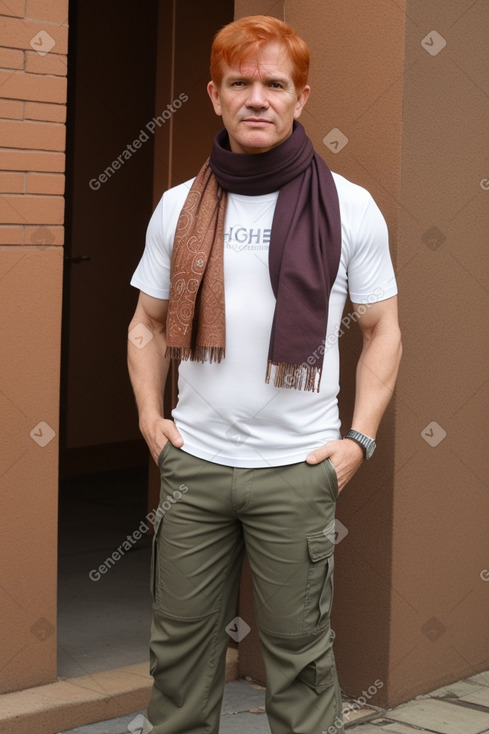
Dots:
(302, 98)
(213, 92)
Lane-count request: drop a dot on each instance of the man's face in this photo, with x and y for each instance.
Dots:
(258, 101)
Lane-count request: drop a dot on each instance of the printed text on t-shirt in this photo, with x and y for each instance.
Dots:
(242, 238)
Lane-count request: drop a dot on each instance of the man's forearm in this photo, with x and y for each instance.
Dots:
(148, 371)
(376, 375)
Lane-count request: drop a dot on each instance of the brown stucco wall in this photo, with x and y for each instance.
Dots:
(440, 601)
(408, 573)
(32, 115)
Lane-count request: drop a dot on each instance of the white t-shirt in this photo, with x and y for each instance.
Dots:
(226, 412)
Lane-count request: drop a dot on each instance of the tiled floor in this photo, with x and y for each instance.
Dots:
(462, 708)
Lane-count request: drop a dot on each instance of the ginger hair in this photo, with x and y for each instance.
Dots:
(242, 38)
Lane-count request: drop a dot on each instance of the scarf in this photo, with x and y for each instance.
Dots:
(304, 255)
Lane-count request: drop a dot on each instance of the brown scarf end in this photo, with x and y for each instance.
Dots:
(199, 354)
(299, 377)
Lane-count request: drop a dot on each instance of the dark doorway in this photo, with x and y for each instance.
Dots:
(103, 460)
(125, 66)
(109, 199)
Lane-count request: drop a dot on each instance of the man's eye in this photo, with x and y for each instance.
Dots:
(237, 84)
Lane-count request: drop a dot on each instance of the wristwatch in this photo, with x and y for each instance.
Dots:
(368, 444)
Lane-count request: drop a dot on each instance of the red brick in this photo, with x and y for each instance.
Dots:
(44, 111)
(55, 11)
(10, 58)
(44, 183)
(11, 109)
(31, 209)
(18, 33)
(54, 236)
(34, 135)
(29, 160)
(19, 85)
(11, 235)
(55, 64)
(12, 183)
(13, 7)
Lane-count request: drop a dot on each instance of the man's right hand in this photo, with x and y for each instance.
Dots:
(148, 370)
(157, 431)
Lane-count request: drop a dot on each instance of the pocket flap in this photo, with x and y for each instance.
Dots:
(319, 546)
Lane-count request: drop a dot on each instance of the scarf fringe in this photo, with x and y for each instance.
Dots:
(293, 376)
(198, 354)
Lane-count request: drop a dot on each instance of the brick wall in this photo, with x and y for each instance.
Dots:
(33, 69)
(33, 66)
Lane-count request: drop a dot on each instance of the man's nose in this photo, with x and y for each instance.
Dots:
(257, 96)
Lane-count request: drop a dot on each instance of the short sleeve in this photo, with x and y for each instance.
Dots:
(152, 275)
(371, 275)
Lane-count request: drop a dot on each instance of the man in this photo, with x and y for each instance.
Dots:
(244, 279)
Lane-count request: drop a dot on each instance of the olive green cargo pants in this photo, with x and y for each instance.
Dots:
(208, 514)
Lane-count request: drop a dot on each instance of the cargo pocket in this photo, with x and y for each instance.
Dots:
(319, 590)
(320, 673)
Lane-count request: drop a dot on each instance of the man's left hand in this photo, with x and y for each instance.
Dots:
(345, 455)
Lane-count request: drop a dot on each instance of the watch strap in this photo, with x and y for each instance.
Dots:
(366, 442)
